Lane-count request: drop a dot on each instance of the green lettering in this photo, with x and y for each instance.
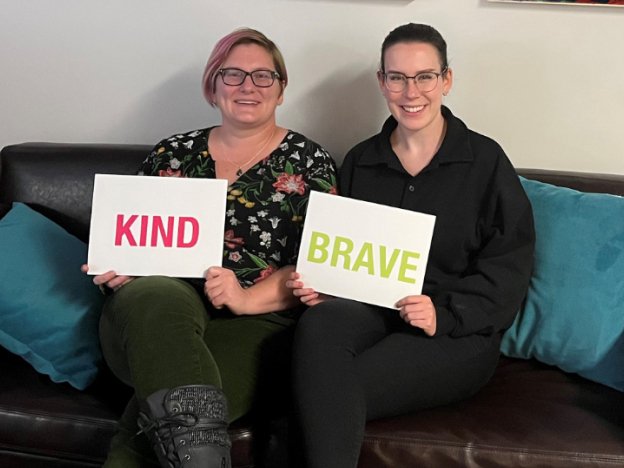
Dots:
(365, 259)
(342, 248)
(405, 265)
(318, 243)
(387, 266)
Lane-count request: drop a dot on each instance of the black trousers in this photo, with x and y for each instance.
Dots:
(355, 362)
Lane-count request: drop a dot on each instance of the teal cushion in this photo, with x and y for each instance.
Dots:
(49, 309)
(573, 316)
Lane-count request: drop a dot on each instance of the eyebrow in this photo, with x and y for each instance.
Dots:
(417, 73)
(251, 71)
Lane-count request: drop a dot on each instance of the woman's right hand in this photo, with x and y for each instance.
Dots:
(308, 296)
(109, 279)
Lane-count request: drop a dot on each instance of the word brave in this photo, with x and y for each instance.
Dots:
(156, 228)
(377, 262)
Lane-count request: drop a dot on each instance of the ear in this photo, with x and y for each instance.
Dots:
(380, 81)
(447, 81)
(280, 98)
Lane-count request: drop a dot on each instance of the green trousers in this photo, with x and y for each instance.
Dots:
(158, 332)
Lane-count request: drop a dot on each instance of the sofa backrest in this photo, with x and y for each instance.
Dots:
(582, 181)
(56, 179)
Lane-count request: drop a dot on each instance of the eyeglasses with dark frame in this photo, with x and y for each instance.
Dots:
(425, 81)
(236, 77)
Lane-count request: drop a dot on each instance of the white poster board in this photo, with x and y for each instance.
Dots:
(363, 251)
(143, 225)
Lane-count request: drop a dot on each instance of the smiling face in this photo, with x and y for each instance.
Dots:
(248, 105)
(415, 110)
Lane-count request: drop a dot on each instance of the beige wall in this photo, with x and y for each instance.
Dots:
(546, 81)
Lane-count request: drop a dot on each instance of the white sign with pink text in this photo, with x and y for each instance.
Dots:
(143, 225)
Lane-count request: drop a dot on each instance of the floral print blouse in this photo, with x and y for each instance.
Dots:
(266, 206)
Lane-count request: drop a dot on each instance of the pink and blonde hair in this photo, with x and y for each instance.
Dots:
(222, 50)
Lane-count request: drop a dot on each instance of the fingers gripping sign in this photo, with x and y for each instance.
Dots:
(223, 290)
(110, 280)
(307, 296)
(419, 312)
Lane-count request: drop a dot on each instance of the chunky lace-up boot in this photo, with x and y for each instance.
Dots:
(188, 427)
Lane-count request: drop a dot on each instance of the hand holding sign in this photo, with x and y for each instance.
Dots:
(419, 311)
(223, 290)
(307, 296)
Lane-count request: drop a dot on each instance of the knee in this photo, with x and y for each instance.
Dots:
(325, 321)
(315, 321)
(149, 289)
(150, 299)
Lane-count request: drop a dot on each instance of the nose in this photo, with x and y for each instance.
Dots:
(247, 83)
(411, 88)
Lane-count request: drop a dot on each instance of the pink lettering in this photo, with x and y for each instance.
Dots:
(144, 229)
(181, 231)
(123, 229)
(186, 231)
(165, 234)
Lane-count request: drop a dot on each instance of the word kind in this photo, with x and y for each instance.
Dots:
(150, 231)
(379, 261)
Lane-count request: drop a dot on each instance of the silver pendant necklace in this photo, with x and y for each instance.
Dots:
(240, 171)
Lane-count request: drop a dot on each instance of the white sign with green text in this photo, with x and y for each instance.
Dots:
(364, 251)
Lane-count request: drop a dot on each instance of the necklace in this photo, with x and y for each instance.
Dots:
(239, 171)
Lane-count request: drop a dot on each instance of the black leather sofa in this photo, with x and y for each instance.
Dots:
(529, 415)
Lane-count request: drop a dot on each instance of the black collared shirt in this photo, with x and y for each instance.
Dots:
(482, 249)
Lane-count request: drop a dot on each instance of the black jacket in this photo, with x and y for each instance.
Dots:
(482, 249)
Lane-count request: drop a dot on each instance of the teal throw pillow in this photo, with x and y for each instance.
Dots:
(49, 309)
(573, 316)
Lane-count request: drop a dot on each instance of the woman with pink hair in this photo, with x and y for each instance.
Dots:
(200, 354)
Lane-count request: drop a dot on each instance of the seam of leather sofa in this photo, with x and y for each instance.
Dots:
(25, 451)
(472, 447)
(56, 416)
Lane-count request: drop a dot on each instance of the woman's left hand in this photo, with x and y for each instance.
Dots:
(307, 296)
(223, 290)
(419, 312)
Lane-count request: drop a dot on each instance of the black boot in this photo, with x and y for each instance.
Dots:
(188, 427)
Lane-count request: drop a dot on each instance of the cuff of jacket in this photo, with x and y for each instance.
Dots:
(445, 321)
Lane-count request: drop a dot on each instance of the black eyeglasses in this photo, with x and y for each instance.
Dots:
(426, 81)
(236, 77)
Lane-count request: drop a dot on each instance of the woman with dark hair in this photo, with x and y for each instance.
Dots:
(355, 362)
(191, 349)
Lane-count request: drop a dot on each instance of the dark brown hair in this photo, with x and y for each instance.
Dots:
(413, 32)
